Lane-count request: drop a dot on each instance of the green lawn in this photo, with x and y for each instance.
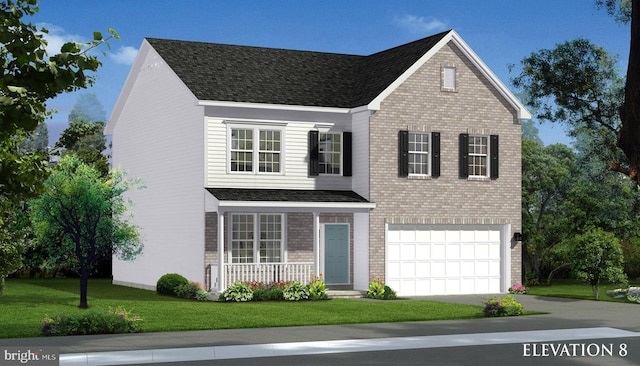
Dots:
(27, 301)
(574, 289)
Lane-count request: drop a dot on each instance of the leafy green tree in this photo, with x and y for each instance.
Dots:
(547, 175)
(596, 256)
(29, 78)
(80, 218)
(87, 109)
(86, 140)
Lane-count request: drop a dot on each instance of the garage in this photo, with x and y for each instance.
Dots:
(446, 259)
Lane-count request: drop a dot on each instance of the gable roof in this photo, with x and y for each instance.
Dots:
(229, 73)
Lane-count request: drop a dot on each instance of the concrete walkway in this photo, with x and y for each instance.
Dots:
(566, 320)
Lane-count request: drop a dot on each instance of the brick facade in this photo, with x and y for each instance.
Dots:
(421, 104)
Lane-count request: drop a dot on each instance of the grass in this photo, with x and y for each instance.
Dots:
(574, 289)
(27, 301)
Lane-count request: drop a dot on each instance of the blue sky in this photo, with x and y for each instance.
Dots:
(501, 32)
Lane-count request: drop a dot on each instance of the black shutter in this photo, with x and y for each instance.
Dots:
(314, 154)
(493, 146)
(435, 154)
(403, 153)
(464, 155)
(347, 157)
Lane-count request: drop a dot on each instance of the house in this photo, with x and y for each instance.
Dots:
(403, 165)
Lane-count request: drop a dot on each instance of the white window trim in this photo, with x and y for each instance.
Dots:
(256, 146)
(341, 133)
(487, 157)
(444, 87)
(256, 236)
(428, 174)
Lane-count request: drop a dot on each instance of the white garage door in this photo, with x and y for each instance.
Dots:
(437, 260)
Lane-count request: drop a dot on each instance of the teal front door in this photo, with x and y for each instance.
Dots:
(336, 253)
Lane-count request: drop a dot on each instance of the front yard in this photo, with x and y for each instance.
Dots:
(573, 289)
(26, 302)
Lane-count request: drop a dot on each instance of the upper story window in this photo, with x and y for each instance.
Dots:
(419, 154)
(479, 156)
(330, 153)
(255, 147)
(330, 150)
(449, 82)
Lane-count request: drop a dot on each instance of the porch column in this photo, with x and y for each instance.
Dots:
(221, 280)
(316, 243)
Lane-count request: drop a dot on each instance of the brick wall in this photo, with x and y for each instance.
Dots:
(421, 104)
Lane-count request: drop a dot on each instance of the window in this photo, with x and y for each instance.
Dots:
(269, 152)
(265, 154)
(419, 154)
(329, 148)
(449, 78)
(479, 156)
(256, 238)
(330, 153)
(478, 151)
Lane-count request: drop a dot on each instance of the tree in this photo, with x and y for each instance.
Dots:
(86, 140)
(547, 176)
(87, 109)
(79, 218)
(30, 77)
(596, 256)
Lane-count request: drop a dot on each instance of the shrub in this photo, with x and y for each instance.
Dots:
(169, 283)
(202, 295)
(92, 322)
(187, 291)
(268, 293)
(295, 291)
(517, 288)
(389, 294)
(376, 289)
(317, 289)
(507, 306)
(238, 291)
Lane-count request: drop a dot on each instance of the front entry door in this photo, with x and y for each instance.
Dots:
(336, 253)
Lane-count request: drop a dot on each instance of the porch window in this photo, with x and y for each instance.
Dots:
(256, 238)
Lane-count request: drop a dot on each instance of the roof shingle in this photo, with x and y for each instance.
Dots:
(285, 195)
(230, 73)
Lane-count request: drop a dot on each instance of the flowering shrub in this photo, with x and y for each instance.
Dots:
(507, 306)
(295, 291)
(92, 322)
(632, 294)
(517, 288)
(376, 289)
(238, 291)
(317, 288)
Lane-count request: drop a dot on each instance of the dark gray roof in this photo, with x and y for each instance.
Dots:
(286, 195)
(231, 73)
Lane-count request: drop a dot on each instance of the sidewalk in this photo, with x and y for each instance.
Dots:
(594, 318)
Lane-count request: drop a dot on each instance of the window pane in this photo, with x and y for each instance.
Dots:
(269, 155)
(270, 238)
(449, 81)
(242, 232)
(241, 150)
(418, 153)
(329, 157)
(478, 147)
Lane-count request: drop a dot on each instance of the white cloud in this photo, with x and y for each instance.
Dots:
(124, 56)
(57, 37)
(420, 25)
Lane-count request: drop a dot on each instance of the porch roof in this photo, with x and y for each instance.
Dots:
(230, 199)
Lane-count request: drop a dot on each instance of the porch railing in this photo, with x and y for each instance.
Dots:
(262, 272)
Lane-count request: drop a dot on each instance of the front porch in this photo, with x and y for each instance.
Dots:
(270, 236)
